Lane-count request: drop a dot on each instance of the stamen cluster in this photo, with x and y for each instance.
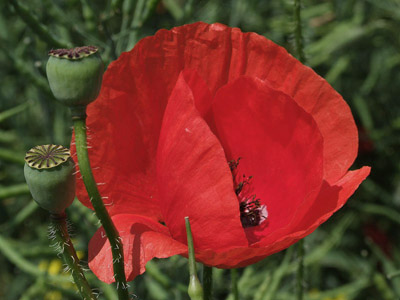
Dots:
(252, 212)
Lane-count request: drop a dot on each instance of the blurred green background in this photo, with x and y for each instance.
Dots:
(354, 44)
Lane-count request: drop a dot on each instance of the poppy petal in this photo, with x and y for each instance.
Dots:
(143, 239)
(124, 167)
(201, 93)
(194, 178)
(116, 190)
(122, 135)
(330, 199)
(221, 54)
(129, 162)
(279, 145)
(125, 120)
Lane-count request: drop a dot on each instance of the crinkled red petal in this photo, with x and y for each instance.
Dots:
(194, 178)
(279, 145)
(124, 123)
(143, 239)
(330, 199)
(125, 120)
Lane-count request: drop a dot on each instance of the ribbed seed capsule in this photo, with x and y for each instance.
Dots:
(75, 75)
(49, 173)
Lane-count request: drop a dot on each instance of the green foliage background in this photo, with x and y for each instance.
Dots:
(354, 44)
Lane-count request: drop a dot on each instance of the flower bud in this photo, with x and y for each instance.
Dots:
(75, 75)
(195, 289)
(50, 173)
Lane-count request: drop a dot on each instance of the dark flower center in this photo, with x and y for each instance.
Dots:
(252, 212)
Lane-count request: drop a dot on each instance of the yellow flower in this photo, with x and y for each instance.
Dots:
(55, 267)
(338, 297)
(80, 254)
(53, 295)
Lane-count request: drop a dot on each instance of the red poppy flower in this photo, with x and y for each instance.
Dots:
(224, 127)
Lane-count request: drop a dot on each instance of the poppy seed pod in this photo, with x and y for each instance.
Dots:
(49, 172)
(75, 75)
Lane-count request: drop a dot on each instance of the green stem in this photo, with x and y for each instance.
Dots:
(20, 66)
(13, 255)
(195, 289)
(19, 218)
(7, 136)
(298, 31)
(12, 156)
(234, 284)
(64, 244)
(188, 10)
(34, 290)
(14, 190)
(155, 273)
(126, 9)
(12, 251)
(393, 274)
(175, 9)
(192, 260)
(13, 111)
(98, 205)
(207, 282)
(300, 55)
(278, 275)
(300, 270)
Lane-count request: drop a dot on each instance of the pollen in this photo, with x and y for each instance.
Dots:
(252, 212)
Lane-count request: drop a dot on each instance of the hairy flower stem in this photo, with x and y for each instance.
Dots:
(64, 245)
(300, 55)
(234, 284)
(98, 205)
(207, 282)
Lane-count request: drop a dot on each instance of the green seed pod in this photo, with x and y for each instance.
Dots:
(195, 289)
(50, 173)
(75, 75)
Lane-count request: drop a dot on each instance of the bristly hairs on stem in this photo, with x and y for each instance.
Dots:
(112, 233)
(58, 233)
